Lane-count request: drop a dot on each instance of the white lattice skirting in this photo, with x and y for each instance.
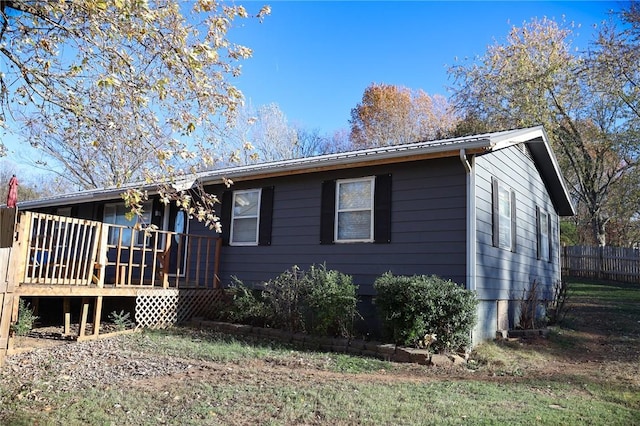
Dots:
(164, 308)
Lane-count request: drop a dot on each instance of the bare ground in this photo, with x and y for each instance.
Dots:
(598, 343)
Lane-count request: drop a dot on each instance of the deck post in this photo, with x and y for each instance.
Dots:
(166, 258)
(20, 251)
(15, 299)
(66, 311)
(6, 305)
(83, 317)
(216, 264)
(97, 313)
(101, 254)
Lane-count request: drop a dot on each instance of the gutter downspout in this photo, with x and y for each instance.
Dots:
(471, 227)
(471, 220)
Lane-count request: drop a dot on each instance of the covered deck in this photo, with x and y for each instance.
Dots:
(54, 256)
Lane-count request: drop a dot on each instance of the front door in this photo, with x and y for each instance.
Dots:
(179, 226)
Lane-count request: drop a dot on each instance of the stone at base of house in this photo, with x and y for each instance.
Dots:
(502, 334)
(538, 332)
(450, 360)
(388, 352)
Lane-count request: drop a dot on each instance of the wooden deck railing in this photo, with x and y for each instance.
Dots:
(67, 251)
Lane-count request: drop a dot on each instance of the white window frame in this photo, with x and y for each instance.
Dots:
(255, 216)
(504, 218)
(119, 210)
(544, 236)
(338, 211)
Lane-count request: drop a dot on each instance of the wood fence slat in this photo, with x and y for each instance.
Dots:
(608, 263)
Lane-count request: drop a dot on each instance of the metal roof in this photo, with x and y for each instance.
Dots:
(535, 138)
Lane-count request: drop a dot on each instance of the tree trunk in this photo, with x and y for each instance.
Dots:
(599, 230)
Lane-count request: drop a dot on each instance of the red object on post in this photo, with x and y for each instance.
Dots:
(12, 195)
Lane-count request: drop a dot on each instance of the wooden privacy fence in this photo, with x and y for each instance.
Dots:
(605, 263)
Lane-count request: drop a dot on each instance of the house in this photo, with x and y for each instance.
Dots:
(482, 211)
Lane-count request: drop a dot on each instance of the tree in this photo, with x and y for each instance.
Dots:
(152, 73)
(535, 78)
(391, 115)
(264, 134)
(27, 190)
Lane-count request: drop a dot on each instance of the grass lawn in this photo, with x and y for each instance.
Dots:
(586, 372)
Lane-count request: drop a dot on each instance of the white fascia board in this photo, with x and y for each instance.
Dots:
(508, 138)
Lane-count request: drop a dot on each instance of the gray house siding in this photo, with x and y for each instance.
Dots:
(427, 227)
(503, 274)
(438, 209)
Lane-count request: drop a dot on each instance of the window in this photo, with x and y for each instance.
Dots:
(544, 232)
(354, 210)
(116, 214)
(504, 216)
(245, 217)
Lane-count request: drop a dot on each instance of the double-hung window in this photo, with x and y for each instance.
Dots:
(544, 232)
(504, 216)
(354, 210)
(245, 219)
(119, 214)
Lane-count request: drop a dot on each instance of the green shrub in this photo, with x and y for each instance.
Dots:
(320, 301)
(26, 319)
(246, 305)
(331, 301)
(413, 307)
(284, 297)
(122, 320)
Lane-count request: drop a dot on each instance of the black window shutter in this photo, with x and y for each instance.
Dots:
(327, 211)
(225, 216)
(538, 234)
(266, 215)
(382, 209)
(495, 210)
(514, 224)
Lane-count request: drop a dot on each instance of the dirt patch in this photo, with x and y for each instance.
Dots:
(600, 348)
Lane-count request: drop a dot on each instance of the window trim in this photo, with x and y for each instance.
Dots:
(256, 216)
(138, 241)
(371, 210)
(510, 243)
(540, 212)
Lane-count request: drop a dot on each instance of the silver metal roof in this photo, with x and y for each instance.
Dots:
(535, 138)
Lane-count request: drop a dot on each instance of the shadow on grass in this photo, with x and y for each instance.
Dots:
(602, 324)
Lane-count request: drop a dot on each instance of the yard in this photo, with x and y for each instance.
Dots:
(586, 372)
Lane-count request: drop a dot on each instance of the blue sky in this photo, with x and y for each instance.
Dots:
(315, 59)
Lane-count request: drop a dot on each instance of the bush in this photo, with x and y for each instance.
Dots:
(413, 307)
(540, 306)
(246, 305)
(531, 308)
(331, 301)
(284, 297)
(320, 301)
(557, 307)
(26, 319)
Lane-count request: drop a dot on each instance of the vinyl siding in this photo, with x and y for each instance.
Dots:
(427, 228)
(500, 273)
